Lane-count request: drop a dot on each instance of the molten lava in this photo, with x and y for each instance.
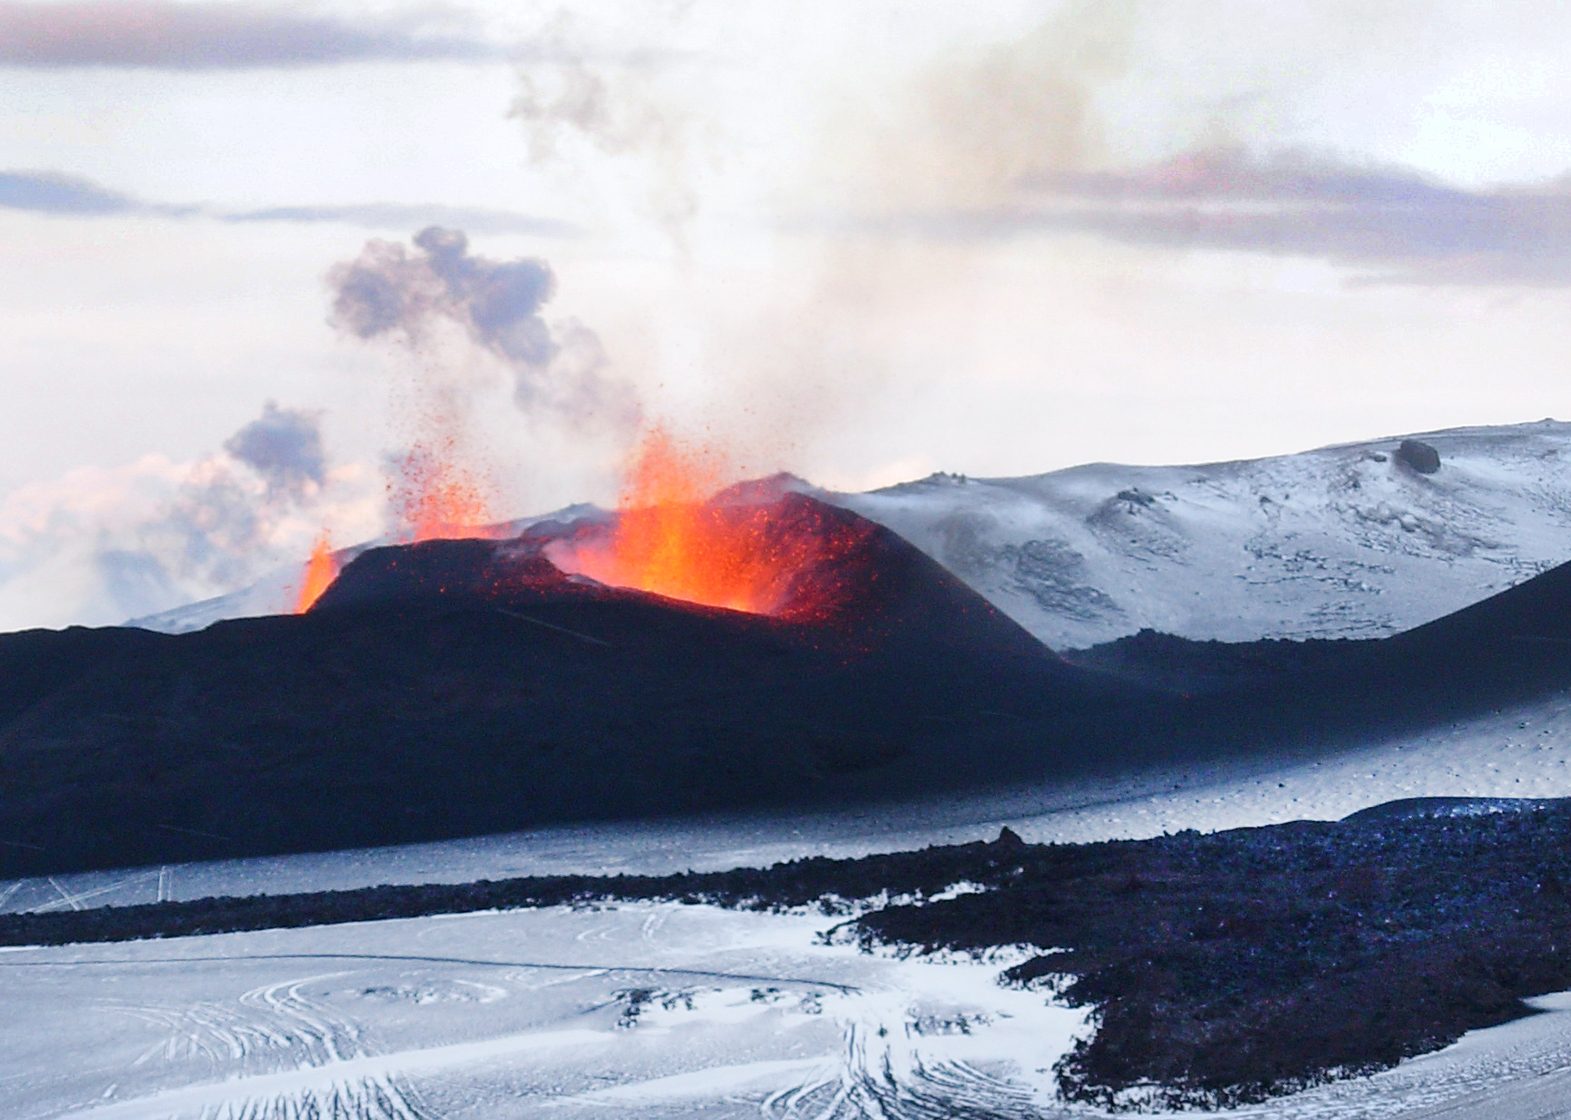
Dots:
(320, 570)
(675, 537)
(435, 498)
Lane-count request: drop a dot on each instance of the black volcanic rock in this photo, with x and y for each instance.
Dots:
(442, 573)
(461, 687)
(1418, 455)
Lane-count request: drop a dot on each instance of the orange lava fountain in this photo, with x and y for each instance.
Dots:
(320, 570)
(437, 499)
(673, 538)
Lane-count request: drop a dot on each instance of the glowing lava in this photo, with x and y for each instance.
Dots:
(437, 499)
(320, 570)
(675, 537)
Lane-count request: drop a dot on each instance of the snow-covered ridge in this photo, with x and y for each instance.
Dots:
(1342, 541)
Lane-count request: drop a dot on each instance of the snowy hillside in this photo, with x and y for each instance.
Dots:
(1344, 541)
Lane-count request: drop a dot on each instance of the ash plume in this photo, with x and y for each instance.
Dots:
(232, 510)
(1020, 139)
(284, 447)
(103, 544)
(389, 291)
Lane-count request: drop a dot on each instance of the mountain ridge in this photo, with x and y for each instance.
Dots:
(1335, 542)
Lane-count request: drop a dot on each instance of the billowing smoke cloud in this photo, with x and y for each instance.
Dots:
(389, 291)
(284, 447)
(162, 35)
(214, 524)
(101, 545)
(229, 509)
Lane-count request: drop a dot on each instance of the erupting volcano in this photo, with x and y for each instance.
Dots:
(480, 688)
(675, 536)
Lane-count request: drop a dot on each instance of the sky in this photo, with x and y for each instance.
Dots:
(257, 258)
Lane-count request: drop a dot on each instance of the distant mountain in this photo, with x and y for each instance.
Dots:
(1355, 540)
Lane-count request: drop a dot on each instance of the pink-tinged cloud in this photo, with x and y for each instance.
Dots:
(1386, 225)
(1392, 224)
(166, 35)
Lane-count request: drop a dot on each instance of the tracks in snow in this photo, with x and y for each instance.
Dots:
(884, 1076)
(283, 1040)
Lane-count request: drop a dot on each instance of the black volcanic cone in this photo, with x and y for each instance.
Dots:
(459, 687)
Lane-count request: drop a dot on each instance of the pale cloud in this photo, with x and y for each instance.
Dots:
(395, 216)
(164, 35)
(1387, 224)
(50, 192)
(1384, 225)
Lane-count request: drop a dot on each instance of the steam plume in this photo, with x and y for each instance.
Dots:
(575, 101)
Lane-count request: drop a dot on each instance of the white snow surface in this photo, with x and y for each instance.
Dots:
(655, 1010)
(1344, 541)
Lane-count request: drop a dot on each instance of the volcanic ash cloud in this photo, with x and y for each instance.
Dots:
(389, 291)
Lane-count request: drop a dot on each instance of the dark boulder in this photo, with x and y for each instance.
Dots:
(1418, 455)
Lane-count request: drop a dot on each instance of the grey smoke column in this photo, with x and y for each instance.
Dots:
(389, 290)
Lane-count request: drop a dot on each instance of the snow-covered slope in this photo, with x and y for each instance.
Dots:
(1344, 541)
